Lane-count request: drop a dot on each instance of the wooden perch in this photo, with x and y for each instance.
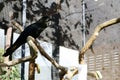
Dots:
(31, 72)
(33, 53)
(28, 58)
(91, 40)
(70, 73)
(17, 61)
(95, 35)
(61, 68)
(43, 53)
(33, 47)
(39, 47)
(95, 74)
(17, 25)
(74, 70)
(83, 50)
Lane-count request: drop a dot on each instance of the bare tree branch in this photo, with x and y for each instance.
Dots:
(17, 25)
(33, 47)
(33, 52)
(94, 36)
(91, 40)
(70, 73)
(17, 61)
(74, 70)
(46, 55)
(63, 69)
(28, 58)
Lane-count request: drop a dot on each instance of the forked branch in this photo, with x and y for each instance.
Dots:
(91, 40)
(17, 61)
(61, 68)
(95, 35)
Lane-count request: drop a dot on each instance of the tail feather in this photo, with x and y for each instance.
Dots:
(10, 50)
(6, 54)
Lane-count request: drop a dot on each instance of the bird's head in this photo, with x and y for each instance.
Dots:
(46, 20)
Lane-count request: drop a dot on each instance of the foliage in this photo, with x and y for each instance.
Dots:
(1, 52)
(15, 75)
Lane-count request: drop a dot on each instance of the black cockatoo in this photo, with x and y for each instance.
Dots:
(33, 30)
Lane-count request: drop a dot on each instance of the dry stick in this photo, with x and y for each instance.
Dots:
(42, 50)
(32, 64)
(7, 45)
(63, 69)
(25, 59)
(70, 73)
(18, 26)
(17, 61)
(33, 52)
(74, 70)
(33, 47)
(32, 61)
(90, 42)
(46, 55)
(94, 36)
(87, 45)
